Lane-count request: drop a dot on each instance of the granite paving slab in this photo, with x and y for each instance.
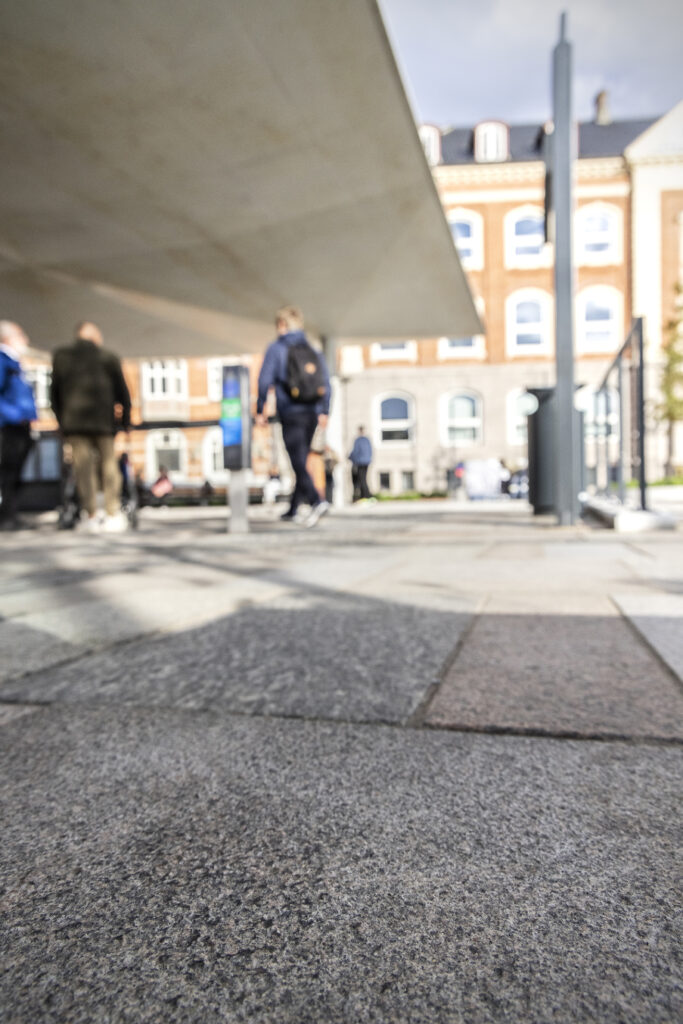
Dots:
(24, 648)
(659, 618)
(173, 867)
(562, 674)
(312, 655)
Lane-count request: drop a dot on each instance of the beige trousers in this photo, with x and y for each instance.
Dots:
(93, 453)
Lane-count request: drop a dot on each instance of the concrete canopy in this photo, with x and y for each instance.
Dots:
(176, 171)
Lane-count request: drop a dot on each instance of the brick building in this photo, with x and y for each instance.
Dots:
(431, 403)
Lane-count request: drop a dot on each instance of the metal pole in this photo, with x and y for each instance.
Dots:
(640, 393)
(566, 490)
(620, 463)
(238, 501)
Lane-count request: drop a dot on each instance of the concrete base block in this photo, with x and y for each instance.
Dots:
(626, 520)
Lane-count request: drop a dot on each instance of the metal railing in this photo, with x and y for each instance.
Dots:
(615, 432)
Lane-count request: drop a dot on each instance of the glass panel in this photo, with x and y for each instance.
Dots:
(168, 457)
(462, 407)
(595, 311)
(408, 480)
(529, 339)
(528, 312)
(461, 342)
(462, 433)
(394, 409)
(385, 481)
(396, 435)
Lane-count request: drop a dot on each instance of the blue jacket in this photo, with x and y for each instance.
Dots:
(361, 453)
(274, 374)
(17, 404)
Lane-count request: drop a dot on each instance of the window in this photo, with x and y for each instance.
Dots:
(214, 377)
(408, 480)
(395, 419)
(462, 348)
(385, 481)
(212, 454)
(468, 235)
(164, 379)
(528, 322)
(525, 238)
(462, 419)
(517, 411)
(430, 137)
(165, 448)
(40, 377)
(598, 234)
(385, 351)
(599, 319)
(491, 142)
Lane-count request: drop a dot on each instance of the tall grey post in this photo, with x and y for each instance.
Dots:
(566, 484)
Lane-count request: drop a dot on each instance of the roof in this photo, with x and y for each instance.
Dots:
(177, 172)
(526, 141)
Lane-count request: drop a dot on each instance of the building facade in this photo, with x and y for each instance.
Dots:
(432, 403)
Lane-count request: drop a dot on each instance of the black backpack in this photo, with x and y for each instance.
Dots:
(305, 375)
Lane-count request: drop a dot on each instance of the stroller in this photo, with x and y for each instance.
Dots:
(70, 507)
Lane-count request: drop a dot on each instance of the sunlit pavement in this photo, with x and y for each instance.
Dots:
(420, 763)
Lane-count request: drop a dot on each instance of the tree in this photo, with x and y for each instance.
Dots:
(671, 406)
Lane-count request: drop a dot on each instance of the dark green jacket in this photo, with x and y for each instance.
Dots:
(87, 381)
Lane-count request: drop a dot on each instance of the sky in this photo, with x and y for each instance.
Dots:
(465, 61)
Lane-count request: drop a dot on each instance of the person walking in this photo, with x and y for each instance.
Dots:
(87, 386)
(299, 375)
(17, 410)
(360, 458)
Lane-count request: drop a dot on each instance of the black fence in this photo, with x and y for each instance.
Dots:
(614, 429)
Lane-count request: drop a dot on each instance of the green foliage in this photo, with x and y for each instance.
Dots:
(671, 407)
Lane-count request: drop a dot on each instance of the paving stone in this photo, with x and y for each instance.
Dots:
(347, 657)
(659, 618)
(172, 867)
(558, 674)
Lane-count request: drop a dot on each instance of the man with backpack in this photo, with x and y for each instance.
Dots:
(302, 390)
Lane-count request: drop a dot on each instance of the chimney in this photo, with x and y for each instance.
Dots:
(602, 115)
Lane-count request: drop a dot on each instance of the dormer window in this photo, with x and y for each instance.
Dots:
(491, 142)
(430, 137)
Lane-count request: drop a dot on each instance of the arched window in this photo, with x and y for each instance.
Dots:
(598, 234)
(528, 322)
(517, 410)
(525, 238)
(468, 235)
(462, 419)
(166, 448)
(396, 418)
(599, 321)
(212, 455)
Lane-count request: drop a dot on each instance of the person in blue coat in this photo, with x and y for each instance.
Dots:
(17, 410)
(299, 419)
(360, 458)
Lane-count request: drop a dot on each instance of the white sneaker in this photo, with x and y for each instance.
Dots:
(316, 513)
(89, 525)
(115, 524)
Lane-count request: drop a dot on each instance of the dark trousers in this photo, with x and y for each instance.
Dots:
(297, 434)
(14, 447)
(359, 475)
